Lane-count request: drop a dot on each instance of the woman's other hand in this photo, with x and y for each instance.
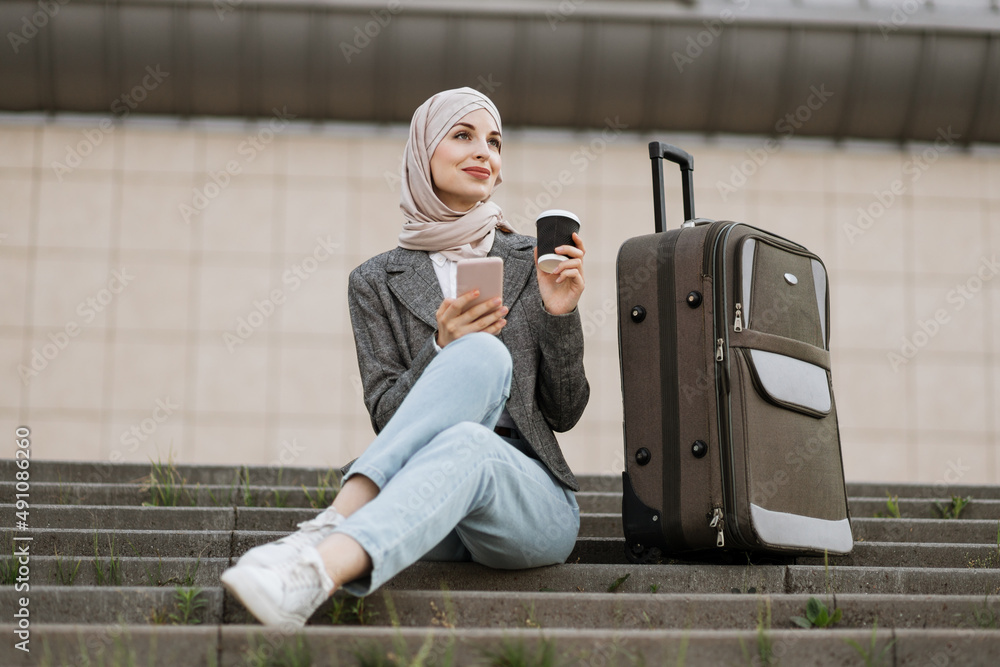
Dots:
(455, 318)
(561, 289)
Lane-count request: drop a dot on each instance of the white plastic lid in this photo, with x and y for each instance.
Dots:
(559, 212)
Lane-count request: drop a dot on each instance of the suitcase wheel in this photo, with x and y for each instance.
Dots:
(640, 555)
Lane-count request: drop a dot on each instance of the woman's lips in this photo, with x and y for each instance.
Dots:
(478, 172)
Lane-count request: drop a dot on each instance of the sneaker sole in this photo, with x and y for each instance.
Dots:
(244, 584)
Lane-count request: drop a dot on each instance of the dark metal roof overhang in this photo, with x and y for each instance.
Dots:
(830, 68)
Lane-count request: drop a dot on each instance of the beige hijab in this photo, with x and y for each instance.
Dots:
(430, 225)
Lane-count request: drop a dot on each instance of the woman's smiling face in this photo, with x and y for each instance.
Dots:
(465, 165)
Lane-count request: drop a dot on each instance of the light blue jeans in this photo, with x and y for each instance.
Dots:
(451, 489)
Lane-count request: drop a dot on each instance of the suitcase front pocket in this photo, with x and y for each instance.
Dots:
(791, 452)
(781, 291)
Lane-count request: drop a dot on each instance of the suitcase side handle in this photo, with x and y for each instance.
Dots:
(659, 151)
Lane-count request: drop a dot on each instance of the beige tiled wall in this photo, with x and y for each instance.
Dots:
(147, 371)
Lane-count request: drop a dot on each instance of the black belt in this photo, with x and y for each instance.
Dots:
(505, 432)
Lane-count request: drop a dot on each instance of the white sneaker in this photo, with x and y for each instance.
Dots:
(309, 534)
(284, 596)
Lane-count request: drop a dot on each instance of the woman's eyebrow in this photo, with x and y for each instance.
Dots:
(473, 127)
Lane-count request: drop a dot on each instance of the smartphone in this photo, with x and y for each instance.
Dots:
(484, 274)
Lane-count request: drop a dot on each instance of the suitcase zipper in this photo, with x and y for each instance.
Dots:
(717, 522)
(738, 324)
(725, 426)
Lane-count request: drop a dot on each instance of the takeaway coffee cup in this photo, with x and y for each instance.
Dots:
(554, 228)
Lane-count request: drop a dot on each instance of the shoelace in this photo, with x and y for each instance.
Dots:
(302, 577)
(306, 578)
(327, 518)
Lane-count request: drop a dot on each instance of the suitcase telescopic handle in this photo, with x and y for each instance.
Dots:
(658, 152)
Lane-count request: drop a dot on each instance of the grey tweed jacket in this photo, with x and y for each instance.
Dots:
(393, 298)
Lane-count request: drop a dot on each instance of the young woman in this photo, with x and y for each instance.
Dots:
(464, 399)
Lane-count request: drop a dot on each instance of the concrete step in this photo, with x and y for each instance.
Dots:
(581, 577)
(952, 531)
(218, 496)
(120, 604)
(73, 493)
(702, 578)
(119, 543)
(864, 554)
(100, 472)
(467, 609)
(228, 646)
(128, 571)
(174, 543)
(295, 496)
(918, 490)
(286, 519)
(925, 508)
(478, 609)
(215, 475)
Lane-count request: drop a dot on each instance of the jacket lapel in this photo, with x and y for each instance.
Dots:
(518, 263)
(413, 281)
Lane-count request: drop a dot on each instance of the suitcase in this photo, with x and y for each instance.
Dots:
(730, 425)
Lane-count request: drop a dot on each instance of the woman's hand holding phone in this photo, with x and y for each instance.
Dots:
(479, 305)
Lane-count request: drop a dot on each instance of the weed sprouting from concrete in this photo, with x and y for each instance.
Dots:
(8, 568)
(992, 559)
(372, 655)
(518, 654)
(683, 648)
(191, 572)
(189, 601)
(530, 616)
(765, 643)
(326, 490)
(113, 575)
(817, 613)
(248, 499)
(61, 499)
(280, 499)
(153, 578)
(868, 654)
(164, 484)
(618, 582)
(954, 508)
(66, 577)
(892, 508)
(344, 611)
(450, 615)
